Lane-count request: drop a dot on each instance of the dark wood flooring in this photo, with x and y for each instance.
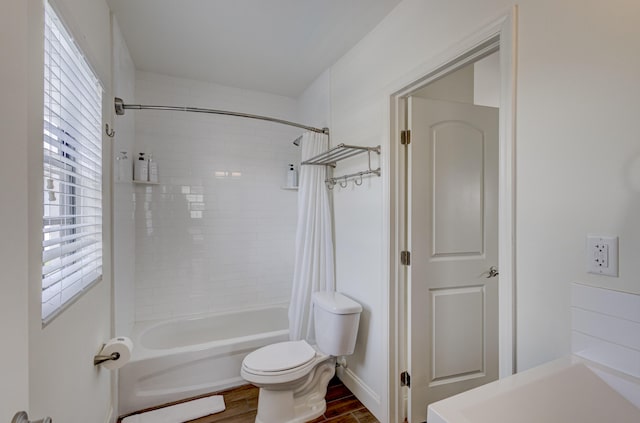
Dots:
(242, 404)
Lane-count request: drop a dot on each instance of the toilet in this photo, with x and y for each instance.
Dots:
(293, 376)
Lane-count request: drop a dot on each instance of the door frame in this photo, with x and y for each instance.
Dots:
(499, 35)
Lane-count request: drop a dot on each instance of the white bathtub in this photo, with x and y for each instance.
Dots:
(177, 359)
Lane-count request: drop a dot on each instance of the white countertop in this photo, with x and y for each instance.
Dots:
(570, 389)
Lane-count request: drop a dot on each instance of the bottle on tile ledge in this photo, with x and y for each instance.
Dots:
(292, 176)
(153, 170)
(141, 169)
(123, 168)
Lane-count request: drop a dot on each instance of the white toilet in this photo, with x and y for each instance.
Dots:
(293, 376)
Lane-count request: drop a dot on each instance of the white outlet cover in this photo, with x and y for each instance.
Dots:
(602, 255)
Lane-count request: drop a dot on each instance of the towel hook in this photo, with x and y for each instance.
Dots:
(344, 183)
(110, 132)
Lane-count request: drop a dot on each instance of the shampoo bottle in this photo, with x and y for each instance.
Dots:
(292, 176)
(141, 169)
(153, 170)
(123, 168)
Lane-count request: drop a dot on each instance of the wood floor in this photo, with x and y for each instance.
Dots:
(242, 403)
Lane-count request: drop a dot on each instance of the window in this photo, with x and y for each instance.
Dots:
(72, 222)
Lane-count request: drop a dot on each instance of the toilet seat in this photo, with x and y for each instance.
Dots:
(294, 359)
(279, 357)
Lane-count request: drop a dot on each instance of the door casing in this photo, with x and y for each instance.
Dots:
(497, 36)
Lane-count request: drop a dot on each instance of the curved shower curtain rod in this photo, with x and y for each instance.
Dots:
(121, 107)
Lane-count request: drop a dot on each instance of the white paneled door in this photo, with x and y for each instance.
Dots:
(453, 239)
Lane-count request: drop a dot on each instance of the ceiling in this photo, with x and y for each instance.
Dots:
(274, 46)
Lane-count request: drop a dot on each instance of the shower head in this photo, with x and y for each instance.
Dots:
(324, 130)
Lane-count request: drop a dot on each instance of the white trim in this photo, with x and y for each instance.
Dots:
(110, 418)
(504, 30)
(396, 289)
(507, 196)
(387, 267)
(361, 390)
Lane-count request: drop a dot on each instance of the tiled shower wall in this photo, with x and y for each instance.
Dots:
(218, 232)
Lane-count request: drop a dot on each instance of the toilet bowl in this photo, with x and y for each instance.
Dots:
(293, 376)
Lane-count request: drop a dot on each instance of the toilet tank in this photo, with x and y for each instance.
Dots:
(336, 319)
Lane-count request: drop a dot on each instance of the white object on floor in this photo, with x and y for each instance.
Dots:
(180, 412)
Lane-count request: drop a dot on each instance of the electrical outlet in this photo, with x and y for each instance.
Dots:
(602, 255)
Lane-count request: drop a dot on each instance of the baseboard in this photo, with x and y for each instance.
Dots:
(110, 416)
(362, 391)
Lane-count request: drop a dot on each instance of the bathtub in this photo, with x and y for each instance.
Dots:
(182, 358)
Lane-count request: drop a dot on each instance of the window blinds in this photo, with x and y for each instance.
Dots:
(72, 224)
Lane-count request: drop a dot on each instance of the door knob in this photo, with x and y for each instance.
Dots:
(493, 272)
(23, 417)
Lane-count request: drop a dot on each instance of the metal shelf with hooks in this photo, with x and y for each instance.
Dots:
(340, 152)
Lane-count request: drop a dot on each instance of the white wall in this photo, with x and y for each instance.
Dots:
(123, 191)
(314, 105)
(477, 83)
(578, 157)
(63, 383)
(60, 380)
(578, 171)
(457, 86)
(13, 220)
(486, 81)
(218, 233)
(578, 146)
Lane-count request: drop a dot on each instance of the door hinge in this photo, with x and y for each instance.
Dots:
(405, 258)
(405, 137)
(405, 379)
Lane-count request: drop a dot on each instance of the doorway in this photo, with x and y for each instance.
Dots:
(454, 225)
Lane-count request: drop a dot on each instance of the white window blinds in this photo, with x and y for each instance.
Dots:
(72, 224)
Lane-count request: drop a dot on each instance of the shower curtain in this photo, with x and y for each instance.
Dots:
(314, 265)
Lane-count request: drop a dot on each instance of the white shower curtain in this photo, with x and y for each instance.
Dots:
(314, 266)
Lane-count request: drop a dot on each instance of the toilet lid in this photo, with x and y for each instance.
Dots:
(280, 356)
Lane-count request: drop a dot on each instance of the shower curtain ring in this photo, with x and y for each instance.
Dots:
(355, 181)
(330, 184)
(344, 183)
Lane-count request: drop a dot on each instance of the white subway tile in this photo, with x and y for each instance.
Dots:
(207, 243)
(606, 301)
(606, 327)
